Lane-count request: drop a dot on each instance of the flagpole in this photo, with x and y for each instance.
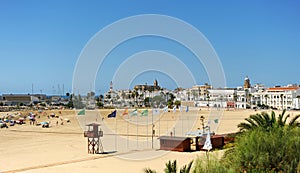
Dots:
(84, 118)
(152, 130)
(127, 133)
(187, 119)
(116, 124)
(147, 128)
(167, 124)
(181, 120)
(137, 130)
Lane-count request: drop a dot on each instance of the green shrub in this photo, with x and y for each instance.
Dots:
(257, 150)
(212, 165)
(229, 145)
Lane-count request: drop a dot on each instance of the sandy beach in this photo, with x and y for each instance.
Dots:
(63, 148)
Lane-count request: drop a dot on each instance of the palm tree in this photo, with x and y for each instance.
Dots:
(207, 97)
(188, 94)
(171, 167)
(186, 168)
(258, 120)
(281, 121)
(265, 121)
(148, 170)
(194, 94)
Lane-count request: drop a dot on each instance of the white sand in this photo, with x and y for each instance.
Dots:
(63, 148)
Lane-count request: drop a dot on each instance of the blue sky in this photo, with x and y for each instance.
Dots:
(40, 41)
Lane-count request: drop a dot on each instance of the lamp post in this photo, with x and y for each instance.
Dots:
(202, 123)
(153, 132)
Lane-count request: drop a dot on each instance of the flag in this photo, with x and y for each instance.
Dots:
(207, 144)
(125, 112)
(134, 112)
(155, 112)
(82, 112)
(174, 109)
(112, 115)
(165, 109)
(187, 109)
(144, 112)
(216, 121)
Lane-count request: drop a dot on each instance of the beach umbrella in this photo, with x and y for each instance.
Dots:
(44, 123)
(32, 118)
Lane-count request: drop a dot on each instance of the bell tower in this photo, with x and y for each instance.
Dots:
(155, 83)
(247, 84)
(111, 86)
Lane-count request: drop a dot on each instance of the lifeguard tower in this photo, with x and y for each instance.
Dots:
(93, 135)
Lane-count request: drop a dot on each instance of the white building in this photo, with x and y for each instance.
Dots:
(242, 97)
(296, 103)
(221, 97)
(282, 97)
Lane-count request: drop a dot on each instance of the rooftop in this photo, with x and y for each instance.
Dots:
(283, 89)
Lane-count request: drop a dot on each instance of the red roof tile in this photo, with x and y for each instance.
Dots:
(283, 89)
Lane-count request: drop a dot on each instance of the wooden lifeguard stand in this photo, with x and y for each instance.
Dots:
(93, 135)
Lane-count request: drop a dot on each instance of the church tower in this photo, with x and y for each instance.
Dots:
(111, 86)
(247, 84)
(155, 83)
